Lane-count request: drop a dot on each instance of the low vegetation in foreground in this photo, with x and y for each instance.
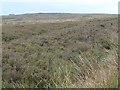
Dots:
(60, 51)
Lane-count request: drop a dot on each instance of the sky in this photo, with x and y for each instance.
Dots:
(58, 6)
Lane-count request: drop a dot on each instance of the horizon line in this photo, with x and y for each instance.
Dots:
(53, 13)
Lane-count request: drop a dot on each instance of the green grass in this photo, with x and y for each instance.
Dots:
(60, 54)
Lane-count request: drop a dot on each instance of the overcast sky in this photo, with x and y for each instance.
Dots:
(59, 6)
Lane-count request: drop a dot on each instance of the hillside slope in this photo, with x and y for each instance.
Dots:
(60, 50)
